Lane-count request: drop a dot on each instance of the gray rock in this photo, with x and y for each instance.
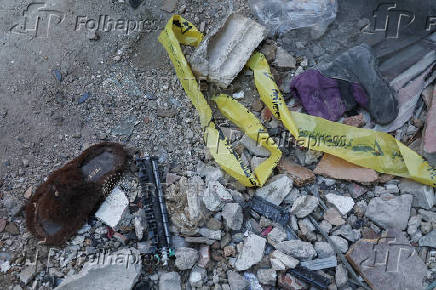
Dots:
(324, 249)
(211, 234)
(284, 59)
(428, 240)
(236, 281)
(341, 276)
(121, 270)
(297, 249)
(194, 188)
(185, 258)
(400, 268)
(267, 276)
(276, 190)
(255, 148)
(170, 280)
(319, 264)
(112, 209)
(197, 276)
(233, 216)
(304, 205)
(413, 225)
(287, 261)
(27, 274)
(215, 196)
(12, 204)
(140, 224)
(340, 243)
(427, 215)
(326, 226)
(276, 236)
(347, 232)
(209, 172)
(342, 203)
(389, 211)
(423, 195)
(307, 229)
(251, 253)
(256, 161)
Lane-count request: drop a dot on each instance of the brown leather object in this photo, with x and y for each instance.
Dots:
(62, 204)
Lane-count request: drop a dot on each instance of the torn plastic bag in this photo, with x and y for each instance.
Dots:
(283, 15)
(363, 147)
(359, 65)
(326, 97)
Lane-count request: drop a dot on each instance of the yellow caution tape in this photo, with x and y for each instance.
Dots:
(363, 147)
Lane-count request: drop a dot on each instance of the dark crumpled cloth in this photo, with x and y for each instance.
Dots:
(325, 97)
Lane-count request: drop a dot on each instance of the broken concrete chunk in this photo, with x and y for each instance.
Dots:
(335, 167)
(297, 249)
(120, 270)
(428, 240)
(332, 216)
(170, 280)
(276, 190)
(423, 195)
(267, 276)
(225, 51)
(342, 203)
(287, 261)
(186, 258)
(215, 196)
(429, 143)
(388, 263)
(251, 253)
(284, 59)
(233, 216)
(112, 209)
(390, 211)
(304, 205)
(324, 249)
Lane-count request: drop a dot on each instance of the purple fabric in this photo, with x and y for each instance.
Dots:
(320, 95)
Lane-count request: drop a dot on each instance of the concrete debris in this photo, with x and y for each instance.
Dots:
(224, 52)
(342, 203)
(170, 280)
(236, 281)
(251, 253)
(204, 259)
(140, 224)
(340, 243)
(332, 216)
(388, 263)
(423, 195)
(197, 276)
(254, 147)
(233, 216)
(211, 173)
(289, 282)
(215, 196)
(267, 276)
(284, 59)
(276, 190)
(347, 232)
(390, 211)
(428, 215)
(320, 264)
(301, 175)
(186, 258)
(27, 274)
(121, 270)
(211, 234)
(304, 205)
(414, 223)
(112, 209)
(324, 249)
(337, 168)
(276, 236)
(287, 261)
(297, 249)
(341, 276)
(428, 240)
